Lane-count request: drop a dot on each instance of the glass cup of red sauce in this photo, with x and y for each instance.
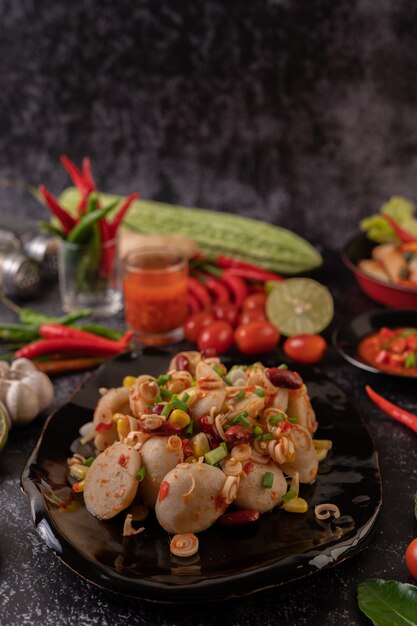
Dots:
(155, 294)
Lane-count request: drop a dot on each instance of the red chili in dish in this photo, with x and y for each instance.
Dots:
(392, 350)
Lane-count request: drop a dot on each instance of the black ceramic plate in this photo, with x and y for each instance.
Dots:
(276, 549)
(347, 337)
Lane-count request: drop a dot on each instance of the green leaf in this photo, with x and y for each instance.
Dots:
(388, 602)
(397, 207)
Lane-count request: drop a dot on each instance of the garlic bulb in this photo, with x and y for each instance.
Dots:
(42, 386)
(22, 402)
(23, 366)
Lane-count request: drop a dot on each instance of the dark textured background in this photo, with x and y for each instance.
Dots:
(301, 112)
(267, 108)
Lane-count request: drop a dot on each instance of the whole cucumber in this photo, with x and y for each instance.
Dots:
(273, 247)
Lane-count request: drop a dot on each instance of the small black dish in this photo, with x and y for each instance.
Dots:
(278, 548)
(348, 335)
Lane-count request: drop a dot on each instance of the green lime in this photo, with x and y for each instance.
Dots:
(4, 425)
(299, 306)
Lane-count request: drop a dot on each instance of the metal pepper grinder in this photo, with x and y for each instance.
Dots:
(20, 276)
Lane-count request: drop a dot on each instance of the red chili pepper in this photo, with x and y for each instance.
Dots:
(199, 291)
(186, 446)
(394, 411)
(215, 286)
(107, 253)
(66, 220)
(402, 234)
(76, 345)
(239, 518)
(88, 176)
(192, 303)
(181, 363)
(250, 271)
(163, 490)
(237, 286)
(102, 426)
(117, 220)
(56, 331)
(84, 184)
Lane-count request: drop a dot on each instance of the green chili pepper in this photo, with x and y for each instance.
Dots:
(17, 333)
(102, 331)
(83, 227)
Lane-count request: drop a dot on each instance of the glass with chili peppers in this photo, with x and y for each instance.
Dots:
(155, 290)
(89, 276)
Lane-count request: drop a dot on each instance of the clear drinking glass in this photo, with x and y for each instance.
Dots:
(89, 277)
(155, 294)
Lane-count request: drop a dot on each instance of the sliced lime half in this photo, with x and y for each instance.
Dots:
(299, 306)
(4, 425)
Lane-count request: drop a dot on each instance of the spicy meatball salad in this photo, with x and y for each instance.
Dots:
(199, 444)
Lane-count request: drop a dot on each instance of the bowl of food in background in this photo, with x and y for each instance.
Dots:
(383, 259)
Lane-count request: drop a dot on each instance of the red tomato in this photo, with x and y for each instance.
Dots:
(254, 301)
(226, 311)
(251, 315)
(305, 348)
(411, 558)
(256, 337)
(218, 335)
(195, 322)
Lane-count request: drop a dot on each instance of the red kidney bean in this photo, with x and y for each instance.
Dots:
(238, 518)
(284, 378)
(238, 434)
(181, 363)
(210, 430)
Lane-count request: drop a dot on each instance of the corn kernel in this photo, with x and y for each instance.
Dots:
(178, 416)
(128, 381)
(123, 427)
(116, 417)
(200, 445)
(322, 443)
(296, 505)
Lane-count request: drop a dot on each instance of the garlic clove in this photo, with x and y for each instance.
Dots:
(21, 402)
(23, 365)
(41, 384)
(4, 369)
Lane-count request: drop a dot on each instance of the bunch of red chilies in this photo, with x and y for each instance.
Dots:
(223, 279)
(74, 228)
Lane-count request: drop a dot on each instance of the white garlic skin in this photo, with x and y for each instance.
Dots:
(22, 402)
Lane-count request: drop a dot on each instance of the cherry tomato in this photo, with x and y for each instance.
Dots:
(251, 315)
(195, 322)
(411, 558)
(254, 301)
(218, 335)
(305, 348)
(226, 311)
(256, 337)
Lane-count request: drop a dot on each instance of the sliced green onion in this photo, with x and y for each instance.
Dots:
(240, 395)
(410, 361)
(257, 431)
(227, 381)
(240, 416)
(89, 461)
(268, 480)
(157, 399)
(166, 410)
(408, 331)
(293, 420)
(164, 378)
(283, 366)
(178, 404)
(190, 428)
(214, 456)
(276, 419)
(185, 396)
(267, 437)
(219, 370)
(260, 392)
(224, 446)
(291, 493)
(140, 474)
(165, 393)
